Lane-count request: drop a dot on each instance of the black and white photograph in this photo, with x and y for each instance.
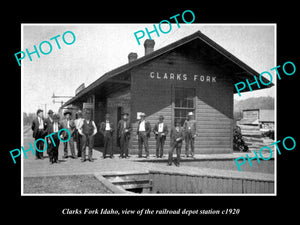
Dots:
(144, 109)
(149, 112)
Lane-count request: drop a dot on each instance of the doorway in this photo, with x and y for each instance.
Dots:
(119, 117)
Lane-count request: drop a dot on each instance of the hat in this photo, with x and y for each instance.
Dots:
(56, 116)
(50, 111)
(38, 111)
(123, 113)
(79, 112)
(190, 114)
(67, 112)
(143, 114)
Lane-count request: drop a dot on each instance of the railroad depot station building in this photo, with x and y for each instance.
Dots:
(193, 74)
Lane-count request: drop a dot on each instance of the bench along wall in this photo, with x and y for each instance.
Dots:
(153, 87)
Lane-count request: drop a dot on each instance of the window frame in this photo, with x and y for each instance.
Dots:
(193, 109)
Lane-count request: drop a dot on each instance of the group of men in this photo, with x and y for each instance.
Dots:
(178, 133)
(83, 129)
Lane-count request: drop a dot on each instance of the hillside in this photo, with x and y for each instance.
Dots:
(254, 103)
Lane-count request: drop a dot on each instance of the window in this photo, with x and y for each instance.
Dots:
(184, 103)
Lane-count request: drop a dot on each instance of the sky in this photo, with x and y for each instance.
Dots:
(99, 48)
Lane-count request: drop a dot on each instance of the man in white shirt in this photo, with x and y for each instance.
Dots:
(107, 129)
(160, 130)
(190, 129)
(78, 136)
(143, 133)
(38, 128)
(68, 123)
(87, 129)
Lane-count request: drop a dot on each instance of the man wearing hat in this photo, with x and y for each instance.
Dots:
(87, 129)
(69, 124)
(77, 137)
(53, 144)
(107, 129)
(38, 128)
(189, 127)
(176, 137)
(160, 130)
(124, 129)
(143, 133)
(49, 120)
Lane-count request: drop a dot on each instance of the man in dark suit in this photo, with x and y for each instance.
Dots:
(124, 129)
(53, 144)
(49, 120)
(176, 137)
(38, 128)
(69, 124)
(161, 131)
(143, 133)
(107, 129)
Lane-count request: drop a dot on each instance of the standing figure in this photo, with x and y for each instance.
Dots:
(87, 129)
(69, 124)
(124, 129)
(176, 136)
(107, 129)
(189, 127)
(38, 128)
(143, 133)
(161, 131)
(53, 144)
(77, 137)
(49, 120)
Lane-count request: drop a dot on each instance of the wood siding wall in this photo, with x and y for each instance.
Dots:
(166, 182)
(213, 101)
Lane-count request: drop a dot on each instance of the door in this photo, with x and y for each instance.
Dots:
(119, 117)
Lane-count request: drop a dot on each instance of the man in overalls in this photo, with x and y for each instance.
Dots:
(190, 134)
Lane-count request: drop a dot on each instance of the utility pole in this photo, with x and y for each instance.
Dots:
(59, 96)
(45, 110)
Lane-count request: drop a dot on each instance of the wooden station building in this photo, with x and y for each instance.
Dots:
(193, 74)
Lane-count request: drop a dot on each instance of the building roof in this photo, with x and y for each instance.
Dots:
(266, 115)
(248, 72)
